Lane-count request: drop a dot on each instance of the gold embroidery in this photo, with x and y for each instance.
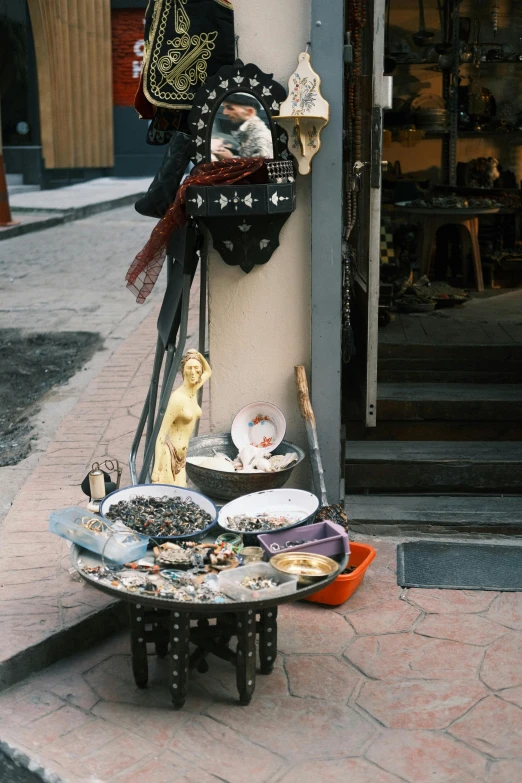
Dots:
(170, 76)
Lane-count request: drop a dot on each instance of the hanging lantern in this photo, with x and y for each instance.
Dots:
(304, 113)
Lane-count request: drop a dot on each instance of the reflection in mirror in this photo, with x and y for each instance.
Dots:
(241, 129)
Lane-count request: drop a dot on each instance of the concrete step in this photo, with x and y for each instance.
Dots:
(14, 179)
(435, 430)
(410, 514)
(390, 371)
(450, 364)
(14, 190)
(449, 402)
(436, 466)
(445, 355)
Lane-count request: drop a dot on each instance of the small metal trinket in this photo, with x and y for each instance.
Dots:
(259, 583)
(172, 554)
(281, 547)
(231, 539)
(280, 171)
(132, 581)
(198, 560)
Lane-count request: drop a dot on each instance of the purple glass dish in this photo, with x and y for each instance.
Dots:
(324, 538)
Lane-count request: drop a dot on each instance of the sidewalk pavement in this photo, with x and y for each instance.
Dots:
(71, 278)
(45, 613)
(41, 209)
(411, 686)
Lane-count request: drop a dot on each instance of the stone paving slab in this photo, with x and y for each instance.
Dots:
(40, 209)
(84, 194)
(27, 222)
(45, 613)
(325, 713)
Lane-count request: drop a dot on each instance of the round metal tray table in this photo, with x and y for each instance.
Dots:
(167, 624)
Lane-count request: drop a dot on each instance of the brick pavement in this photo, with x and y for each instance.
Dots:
(411, 686)
(45, 613)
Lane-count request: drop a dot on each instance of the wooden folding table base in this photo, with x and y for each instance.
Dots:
(207, 638)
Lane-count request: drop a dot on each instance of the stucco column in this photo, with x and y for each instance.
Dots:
(260, 322)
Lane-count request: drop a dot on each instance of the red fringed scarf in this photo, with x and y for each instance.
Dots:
(144, 270)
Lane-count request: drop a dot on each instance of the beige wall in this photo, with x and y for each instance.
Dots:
(260, 322)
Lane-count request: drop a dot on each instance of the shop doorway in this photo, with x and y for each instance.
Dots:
(441, 448)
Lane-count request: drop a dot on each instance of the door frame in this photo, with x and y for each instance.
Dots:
(327, 51)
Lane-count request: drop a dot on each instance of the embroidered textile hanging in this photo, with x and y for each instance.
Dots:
(186, 42)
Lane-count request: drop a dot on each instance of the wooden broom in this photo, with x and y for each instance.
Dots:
(335, 513)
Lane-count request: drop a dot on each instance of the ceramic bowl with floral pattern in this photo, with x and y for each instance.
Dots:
(260, 424)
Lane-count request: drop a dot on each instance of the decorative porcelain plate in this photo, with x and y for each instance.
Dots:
(260, 424)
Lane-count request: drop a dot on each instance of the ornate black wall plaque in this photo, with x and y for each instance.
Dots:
(232, 117)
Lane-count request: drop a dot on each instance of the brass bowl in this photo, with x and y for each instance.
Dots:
(307, 566)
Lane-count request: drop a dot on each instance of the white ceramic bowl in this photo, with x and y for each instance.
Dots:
(159, 491)
(260, 424)
(298, 503)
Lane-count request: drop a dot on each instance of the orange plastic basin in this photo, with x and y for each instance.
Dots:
(361, 555)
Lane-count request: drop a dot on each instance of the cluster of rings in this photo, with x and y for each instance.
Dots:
(280, 547)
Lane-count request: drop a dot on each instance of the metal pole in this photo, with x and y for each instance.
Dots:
(202, 336)
(137, 438)
(327, 39)
(153, 391)
(168, 382)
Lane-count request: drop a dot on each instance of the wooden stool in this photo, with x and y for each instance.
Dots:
(429, 225)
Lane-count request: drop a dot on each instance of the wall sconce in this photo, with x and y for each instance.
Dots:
(304, 113)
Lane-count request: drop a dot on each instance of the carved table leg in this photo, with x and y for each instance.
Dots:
(179, 657)
(268, 639)
(201, 660)
(140, 667)
(246, 655)
(160, 632)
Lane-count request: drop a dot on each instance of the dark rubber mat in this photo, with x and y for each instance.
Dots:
(459, 566)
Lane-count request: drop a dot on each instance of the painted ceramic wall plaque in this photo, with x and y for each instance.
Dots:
(304, 113)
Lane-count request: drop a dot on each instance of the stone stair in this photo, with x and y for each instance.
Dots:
(15, 185)
(447, 450)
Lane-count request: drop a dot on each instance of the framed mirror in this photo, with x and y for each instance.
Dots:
(232, 116)
(241, 128)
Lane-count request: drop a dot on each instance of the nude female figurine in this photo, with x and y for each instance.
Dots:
(180, 419)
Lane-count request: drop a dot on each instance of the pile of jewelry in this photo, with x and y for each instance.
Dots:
(259, 583)
(179, 586)
(281, 547)
(207, 556)
(246, 524)
(161, 517)
(147, 579)
(172, 555)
